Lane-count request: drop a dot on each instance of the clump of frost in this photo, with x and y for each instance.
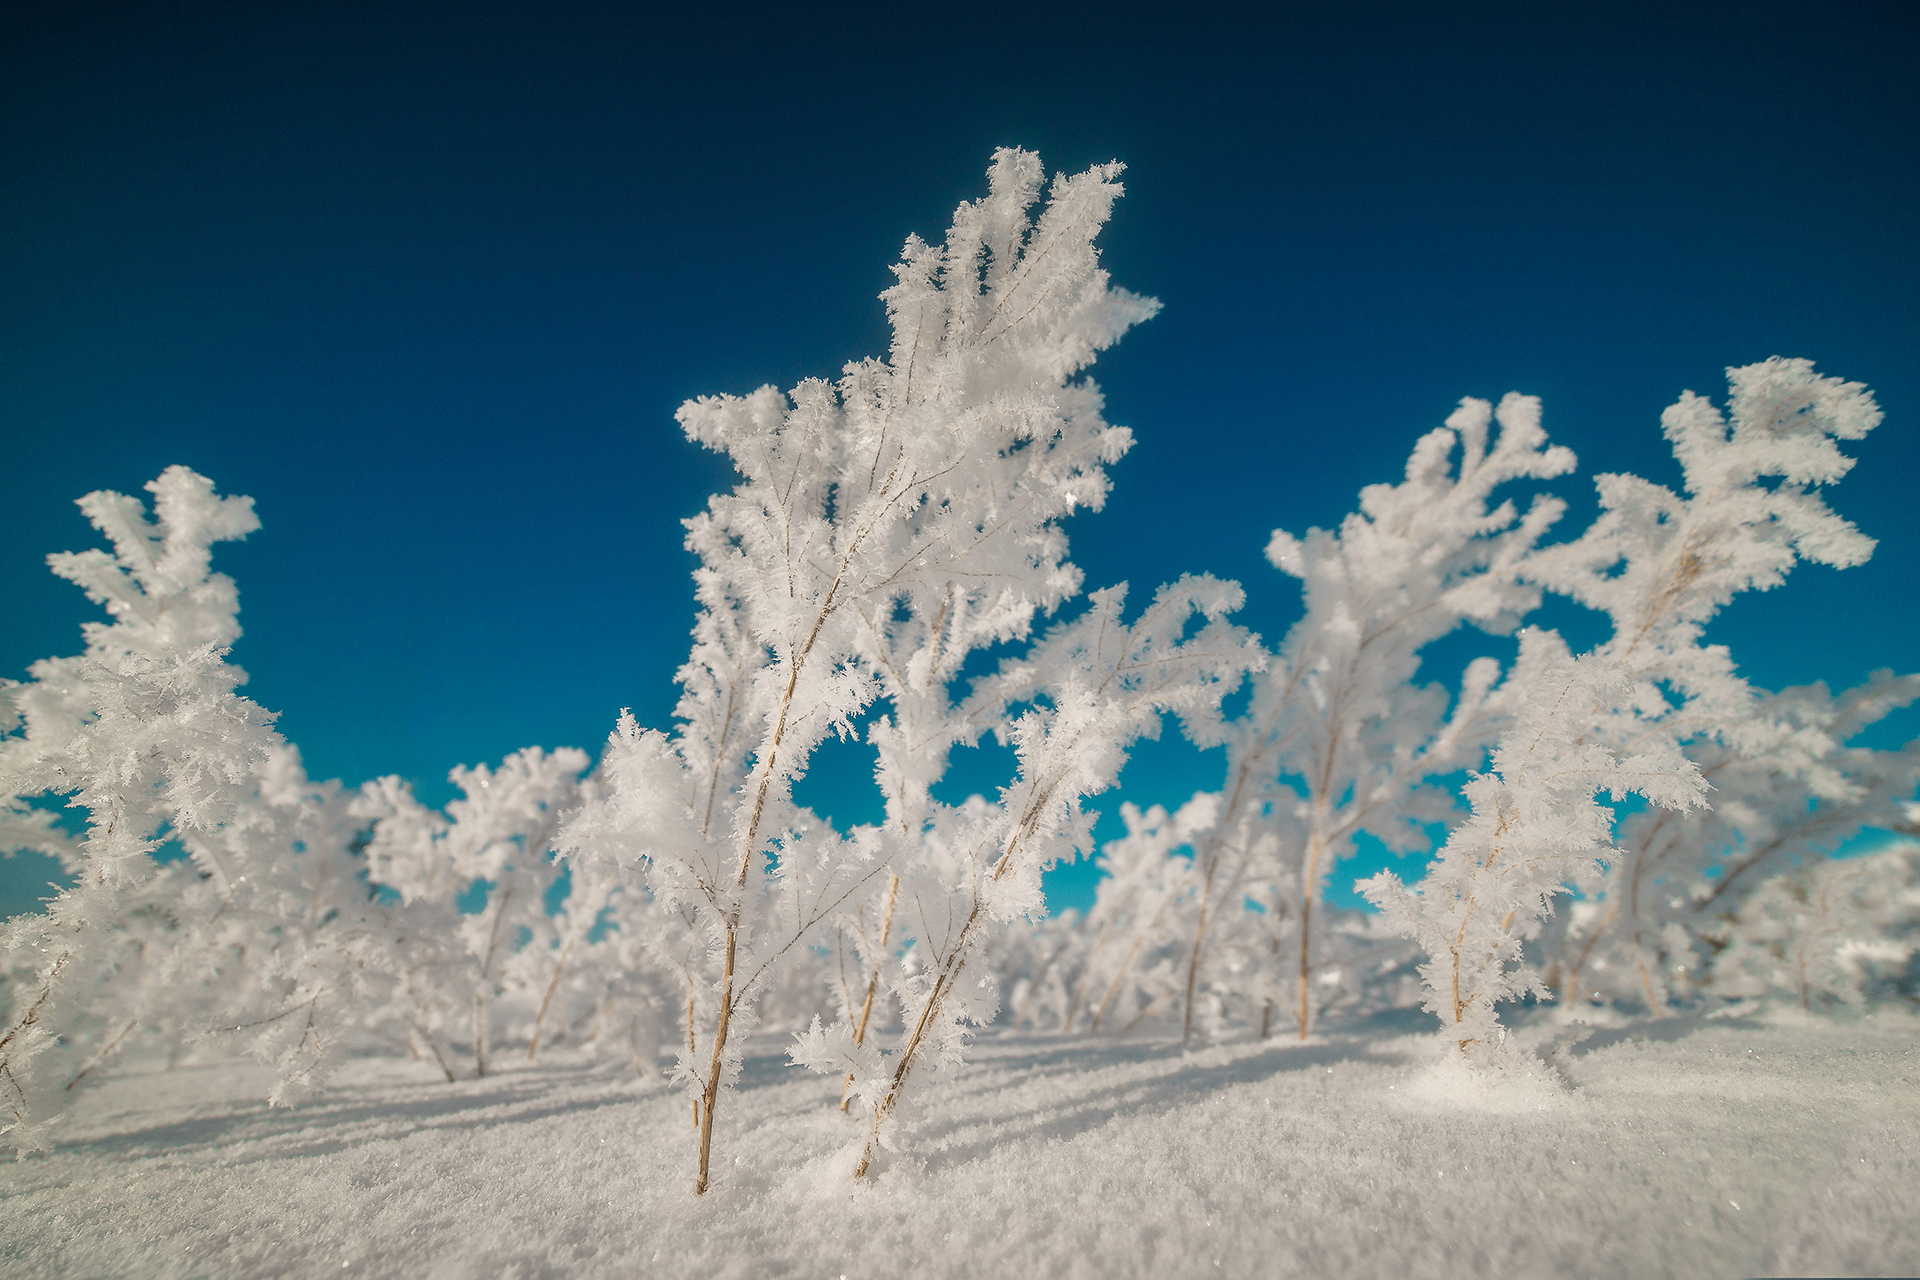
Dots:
(455, 964)
(1524, 1085)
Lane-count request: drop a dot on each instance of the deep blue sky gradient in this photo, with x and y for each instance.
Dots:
(430, 283)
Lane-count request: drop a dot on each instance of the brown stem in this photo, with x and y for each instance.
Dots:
(1454, 950)
(1114, 989)
(1308, 893)
(1193, 957)
(32, 1015)
(873, 983)
(480, 992)
(1086, 977)
(690, 1051)
(949, 972)
(1654, 1003)
(1151, 1005)
(1212, 862)
(559, 967)
(102, 1056)
(1744, 865)
(712, 1091)
(438, 1056)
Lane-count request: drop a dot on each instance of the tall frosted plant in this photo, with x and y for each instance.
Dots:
(885, 526)
(145, 733)
(1660, 564)
(1645, 708)
(1337, 738)
(1535, 825)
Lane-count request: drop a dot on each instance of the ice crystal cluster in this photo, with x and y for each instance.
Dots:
(887, 527)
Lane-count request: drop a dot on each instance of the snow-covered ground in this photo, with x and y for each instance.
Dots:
(1746, 1145)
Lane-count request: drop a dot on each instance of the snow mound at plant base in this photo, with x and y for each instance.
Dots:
(1736, 1146)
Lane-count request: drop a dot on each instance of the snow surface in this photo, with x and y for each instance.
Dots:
(1746, 1145)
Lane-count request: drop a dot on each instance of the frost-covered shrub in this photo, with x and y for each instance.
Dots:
(1660, 565)
(145, 734)
(1793, 791)
(885, 527)
(1786, 786)
(1535, 827)
(1337, 739)
(1070, 709)
(1830, 933)
(1127, 966)
(455, 964)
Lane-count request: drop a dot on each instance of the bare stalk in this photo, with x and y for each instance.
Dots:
(1151, 1005)
(102, 1056)
(1266, 1010)
(713, 1073)
(1114, 988)
(731, 919)
(559, 967)
(438, 1056)
(873, 983)
(929, 1013)
(1205, 917)
(1193, 956)
(480, 1028)
(1086, 978)
(1307, 895)
(690, 1051)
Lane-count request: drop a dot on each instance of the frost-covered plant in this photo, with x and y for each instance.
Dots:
(1337, 738)
(885, 527)
(493, 841)
(276, 940)
(1831, 932)
(1660, 565)
(145, 733)
(1129, 967)
(1535, 826)
(1795, 795)
(1034, 963)
(264, 936)
(588, 963)
(1070, 708)
(867, 932)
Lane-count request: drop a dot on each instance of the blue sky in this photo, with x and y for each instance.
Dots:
(429, 284)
